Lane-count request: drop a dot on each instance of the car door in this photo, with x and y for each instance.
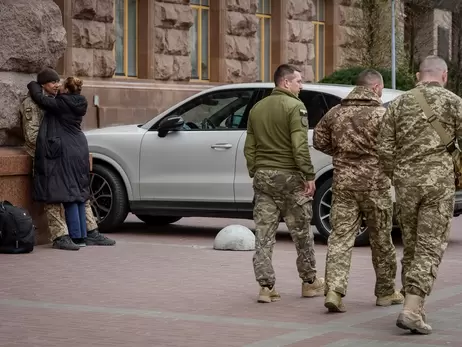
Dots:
(196, 163)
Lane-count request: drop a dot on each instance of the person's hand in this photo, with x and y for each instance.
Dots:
(310, 188)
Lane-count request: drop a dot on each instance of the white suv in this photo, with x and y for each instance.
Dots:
(189, 160)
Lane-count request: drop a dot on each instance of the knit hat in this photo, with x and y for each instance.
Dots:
(47, 75)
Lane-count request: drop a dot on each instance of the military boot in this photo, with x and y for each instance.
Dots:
(392, 299)
(410, 317)
(267, 295)
(94, 238)
(333, 302)
(66, 243)
(316, 288)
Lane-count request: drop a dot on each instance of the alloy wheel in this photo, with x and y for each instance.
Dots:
(101, 197)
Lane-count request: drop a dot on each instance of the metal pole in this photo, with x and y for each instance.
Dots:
(393, 46)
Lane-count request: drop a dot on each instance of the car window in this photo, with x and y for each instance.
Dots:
(220, 110)
(317, 105)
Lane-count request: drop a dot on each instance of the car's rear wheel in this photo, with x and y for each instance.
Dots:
(321, 214)
(108, 198)
(158, 220)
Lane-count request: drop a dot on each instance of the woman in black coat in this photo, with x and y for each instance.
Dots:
(61, 164)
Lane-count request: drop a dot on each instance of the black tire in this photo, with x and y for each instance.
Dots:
(158, 220)
(320, 210)
(117, 207)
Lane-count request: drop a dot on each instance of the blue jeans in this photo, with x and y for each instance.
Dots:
(75, 219)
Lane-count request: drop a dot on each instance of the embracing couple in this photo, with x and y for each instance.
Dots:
(52, 115)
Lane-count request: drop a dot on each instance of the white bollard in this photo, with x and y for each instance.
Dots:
(235, 238)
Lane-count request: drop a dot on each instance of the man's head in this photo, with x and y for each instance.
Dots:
(433, 69)
(371, 79)
(289, 78)
(49, 80)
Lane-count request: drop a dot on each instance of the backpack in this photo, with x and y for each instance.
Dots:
(17, 229)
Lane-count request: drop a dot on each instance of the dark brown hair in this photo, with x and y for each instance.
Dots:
(73, 85)
(283, 71)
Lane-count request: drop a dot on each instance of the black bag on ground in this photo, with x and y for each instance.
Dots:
(17, 229)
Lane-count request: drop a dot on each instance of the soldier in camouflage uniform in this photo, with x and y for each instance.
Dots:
(278, 159)
(422, 173)
(348, 132)
(31, 119)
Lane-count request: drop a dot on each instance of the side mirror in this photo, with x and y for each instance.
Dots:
(173, 123)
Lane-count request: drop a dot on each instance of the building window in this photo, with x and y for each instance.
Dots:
(264, 40)
(126, 28)
(199, 36)
(319, 40)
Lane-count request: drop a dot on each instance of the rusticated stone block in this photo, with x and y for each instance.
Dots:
(82, 62)
(243, 6)
(32, 35)
(169, 67)
(240, 47)
(98, 10)
(173, 16)
(240, 24)
(184, 2)
(92, 34)
(299, 31)
(172, 41)
(350, 16)
(241, 72)
(304, 10)
(103, 63)
(297, 53)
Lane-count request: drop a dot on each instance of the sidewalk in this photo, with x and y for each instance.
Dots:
(170, 288)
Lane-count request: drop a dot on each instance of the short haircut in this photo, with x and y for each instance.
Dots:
(283, 71)
(433, 64)
(368, 78)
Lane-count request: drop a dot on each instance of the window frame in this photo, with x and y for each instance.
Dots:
(318, 23)
(125, 40)
(200, 8)
(264, 16)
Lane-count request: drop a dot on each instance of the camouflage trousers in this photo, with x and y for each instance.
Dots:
(424, 215)
(57, 219)
(279, 194)
(349, 208)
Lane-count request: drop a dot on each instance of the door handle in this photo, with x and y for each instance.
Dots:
(222, 145)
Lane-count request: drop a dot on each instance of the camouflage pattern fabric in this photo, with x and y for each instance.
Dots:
(422, 172)
(90, 217)
(424, 216)
(56, 220)
(279, 193)
(410, 150)
(348, 209)
(348, 132)
(31, 117)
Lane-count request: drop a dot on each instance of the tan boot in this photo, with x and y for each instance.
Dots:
(316, 288)
(392, 299)
(333, 302)
(422, 311)
(267, 295)
(410, 317)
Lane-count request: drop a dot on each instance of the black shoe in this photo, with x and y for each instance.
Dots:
(79, 242)
(66, 243)
(94, 238)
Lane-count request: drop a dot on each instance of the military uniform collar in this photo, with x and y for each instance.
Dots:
(428, 84)
(279, 91)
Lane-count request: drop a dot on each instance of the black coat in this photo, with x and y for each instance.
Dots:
(61, 165)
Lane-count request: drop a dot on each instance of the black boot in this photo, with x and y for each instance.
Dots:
(66, 243)
(94, 238)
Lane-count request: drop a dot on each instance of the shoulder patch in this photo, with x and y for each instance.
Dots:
(304, 117)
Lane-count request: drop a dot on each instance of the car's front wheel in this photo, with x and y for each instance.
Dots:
(108, 198)
(158, 220)
(321, 214)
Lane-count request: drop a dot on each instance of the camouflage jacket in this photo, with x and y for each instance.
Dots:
(348, 132)
(410, 150)
(31, 117)
(277, 135)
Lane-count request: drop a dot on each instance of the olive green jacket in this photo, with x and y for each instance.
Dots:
(277, 135)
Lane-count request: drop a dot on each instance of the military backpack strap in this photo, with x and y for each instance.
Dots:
(433, 120)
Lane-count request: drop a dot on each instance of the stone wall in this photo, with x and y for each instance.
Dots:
(300, 36)
(173, 18)
(93, 38)
(241, 41)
